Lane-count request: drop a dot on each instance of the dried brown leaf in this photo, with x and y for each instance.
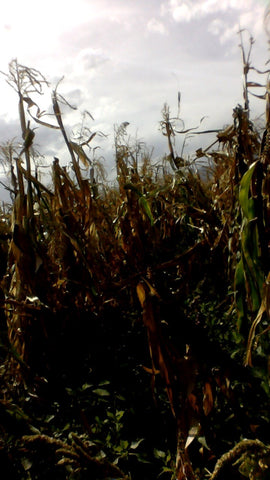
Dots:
(208, 400)
(141, 294)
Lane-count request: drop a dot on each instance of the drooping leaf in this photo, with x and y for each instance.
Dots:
(39, 114)
(151, 371)
(134, 445)
(254, 84)
(81, 153)
(202, 441)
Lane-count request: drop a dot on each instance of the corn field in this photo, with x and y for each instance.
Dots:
(134, 338)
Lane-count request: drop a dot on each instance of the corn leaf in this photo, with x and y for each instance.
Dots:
(80, 152)
(208, 400)
(253, 270)
(248, 360)
(247, 203)
(141, 294)
(143, 202)
(240, 292)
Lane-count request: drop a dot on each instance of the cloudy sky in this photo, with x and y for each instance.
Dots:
(123, 59)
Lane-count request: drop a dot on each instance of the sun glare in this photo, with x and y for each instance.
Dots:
(26, 29)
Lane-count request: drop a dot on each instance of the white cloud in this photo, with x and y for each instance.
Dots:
(90, 58)
(223, 29)
(229, 33)
(187, 10)
(227, 27)
(156, 26)
(216, 26)
(253, 20)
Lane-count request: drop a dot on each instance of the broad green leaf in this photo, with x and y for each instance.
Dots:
(135, 445)
(202, 441)
(86, 386)
(119, 414)
(247, 203)
(165, 470)
(101, 392)
(143, 203)
(159, 453)
(120, 397)
(251, 262)
(253, 294)
(266, 387)
(239, 287)
(124, 444)
(26, 463)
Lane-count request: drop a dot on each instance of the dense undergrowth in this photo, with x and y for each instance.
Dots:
(134, 320)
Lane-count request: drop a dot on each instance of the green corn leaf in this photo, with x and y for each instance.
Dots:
(247, 203)
(251, 262)
(240, 292)
(252, 293)
(143, 203)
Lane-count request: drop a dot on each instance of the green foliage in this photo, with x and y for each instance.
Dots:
(249, 274)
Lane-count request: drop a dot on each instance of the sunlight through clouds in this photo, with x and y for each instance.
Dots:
(24, 25)
(187, 10)
(123, 60)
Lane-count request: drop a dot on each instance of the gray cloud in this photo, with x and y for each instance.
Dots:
(9, 130)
